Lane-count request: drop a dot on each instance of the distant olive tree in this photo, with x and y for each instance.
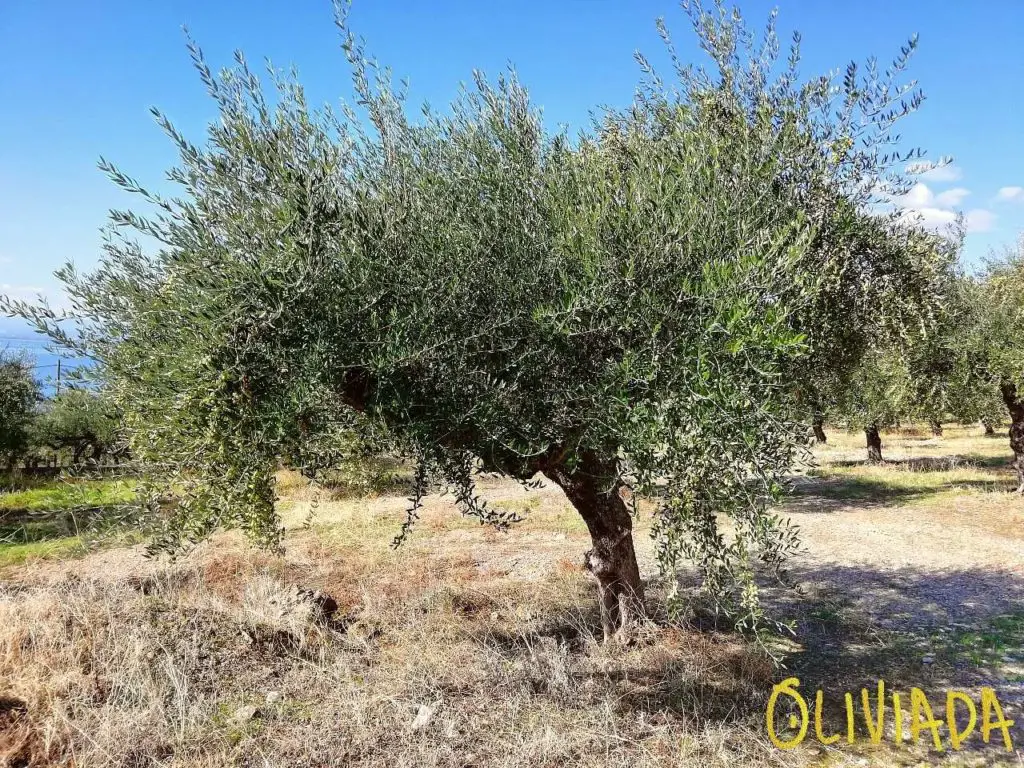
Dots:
(81, 421)
(895, 355)
(997, 343)
(949, 365)
(878, 395)
(19, 393)
(622, 309)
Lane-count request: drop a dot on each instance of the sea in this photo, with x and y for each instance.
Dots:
(44, 360)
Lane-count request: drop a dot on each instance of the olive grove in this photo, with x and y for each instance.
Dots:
(81, 421)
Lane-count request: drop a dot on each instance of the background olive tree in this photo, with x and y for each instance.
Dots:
(996, 340)
(623, 308)
(19, 393)
(877, 395)
(82, 422)
(949, 365)
(884, 296)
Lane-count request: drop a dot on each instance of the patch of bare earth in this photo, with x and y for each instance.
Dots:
(912, 573)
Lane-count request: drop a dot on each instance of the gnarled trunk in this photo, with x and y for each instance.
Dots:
(874, 440)
(989, 427)
(593, 488)
(819, 428)
(1016, 407)
(936, 426)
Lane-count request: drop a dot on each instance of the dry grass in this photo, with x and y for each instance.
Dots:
(219, 662)
(463, 648)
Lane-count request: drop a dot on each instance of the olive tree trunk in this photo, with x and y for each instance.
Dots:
(1015, 405)
(874, 440)
(936, 426)
(989, 427)
(593, 488)
(819, 428)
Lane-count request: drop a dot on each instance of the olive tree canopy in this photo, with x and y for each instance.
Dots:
(19, 393)
(625, 307)
(996, 340)
(80, 420)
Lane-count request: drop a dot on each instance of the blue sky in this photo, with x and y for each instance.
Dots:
(77, 79)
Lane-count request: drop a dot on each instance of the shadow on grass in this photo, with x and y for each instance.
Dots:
(855, 625)
(673, 675)
(836, 493)
(931, 463)
(937, 631)
(992, 462)
(36, 512)
(841, 492)
(25, 527)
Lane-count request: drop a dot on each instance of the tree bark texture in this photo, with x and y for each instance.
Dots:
(936, 428)
(874, 440)
(1015, 405)
(594, 489)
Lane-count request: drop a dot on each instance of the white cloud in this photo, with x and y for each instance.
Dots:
(919, 196)
(1015, 194)
(935, 172)
(938, 211)
(980, 220)
(938, 219)
(951, 198)
(931, 218)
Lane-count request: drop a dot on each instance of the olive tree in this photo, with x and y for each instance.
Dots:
(82, 421)
(996, 339)
(882, 294)
(878, 395)
(19, 393)
(949, 366)
(983, 359)
(909, 371)
(623, 309)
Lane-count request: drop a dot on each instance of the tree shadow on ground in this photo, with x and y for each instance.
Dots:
(931, 463)
(29, 527)
(1003, 462)
(854, 625)
(669, 675)
(937, 631)
(835, 493)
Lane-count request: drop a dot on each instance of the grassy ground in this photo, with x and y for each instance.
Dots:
(471, 648)
(56, 518)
